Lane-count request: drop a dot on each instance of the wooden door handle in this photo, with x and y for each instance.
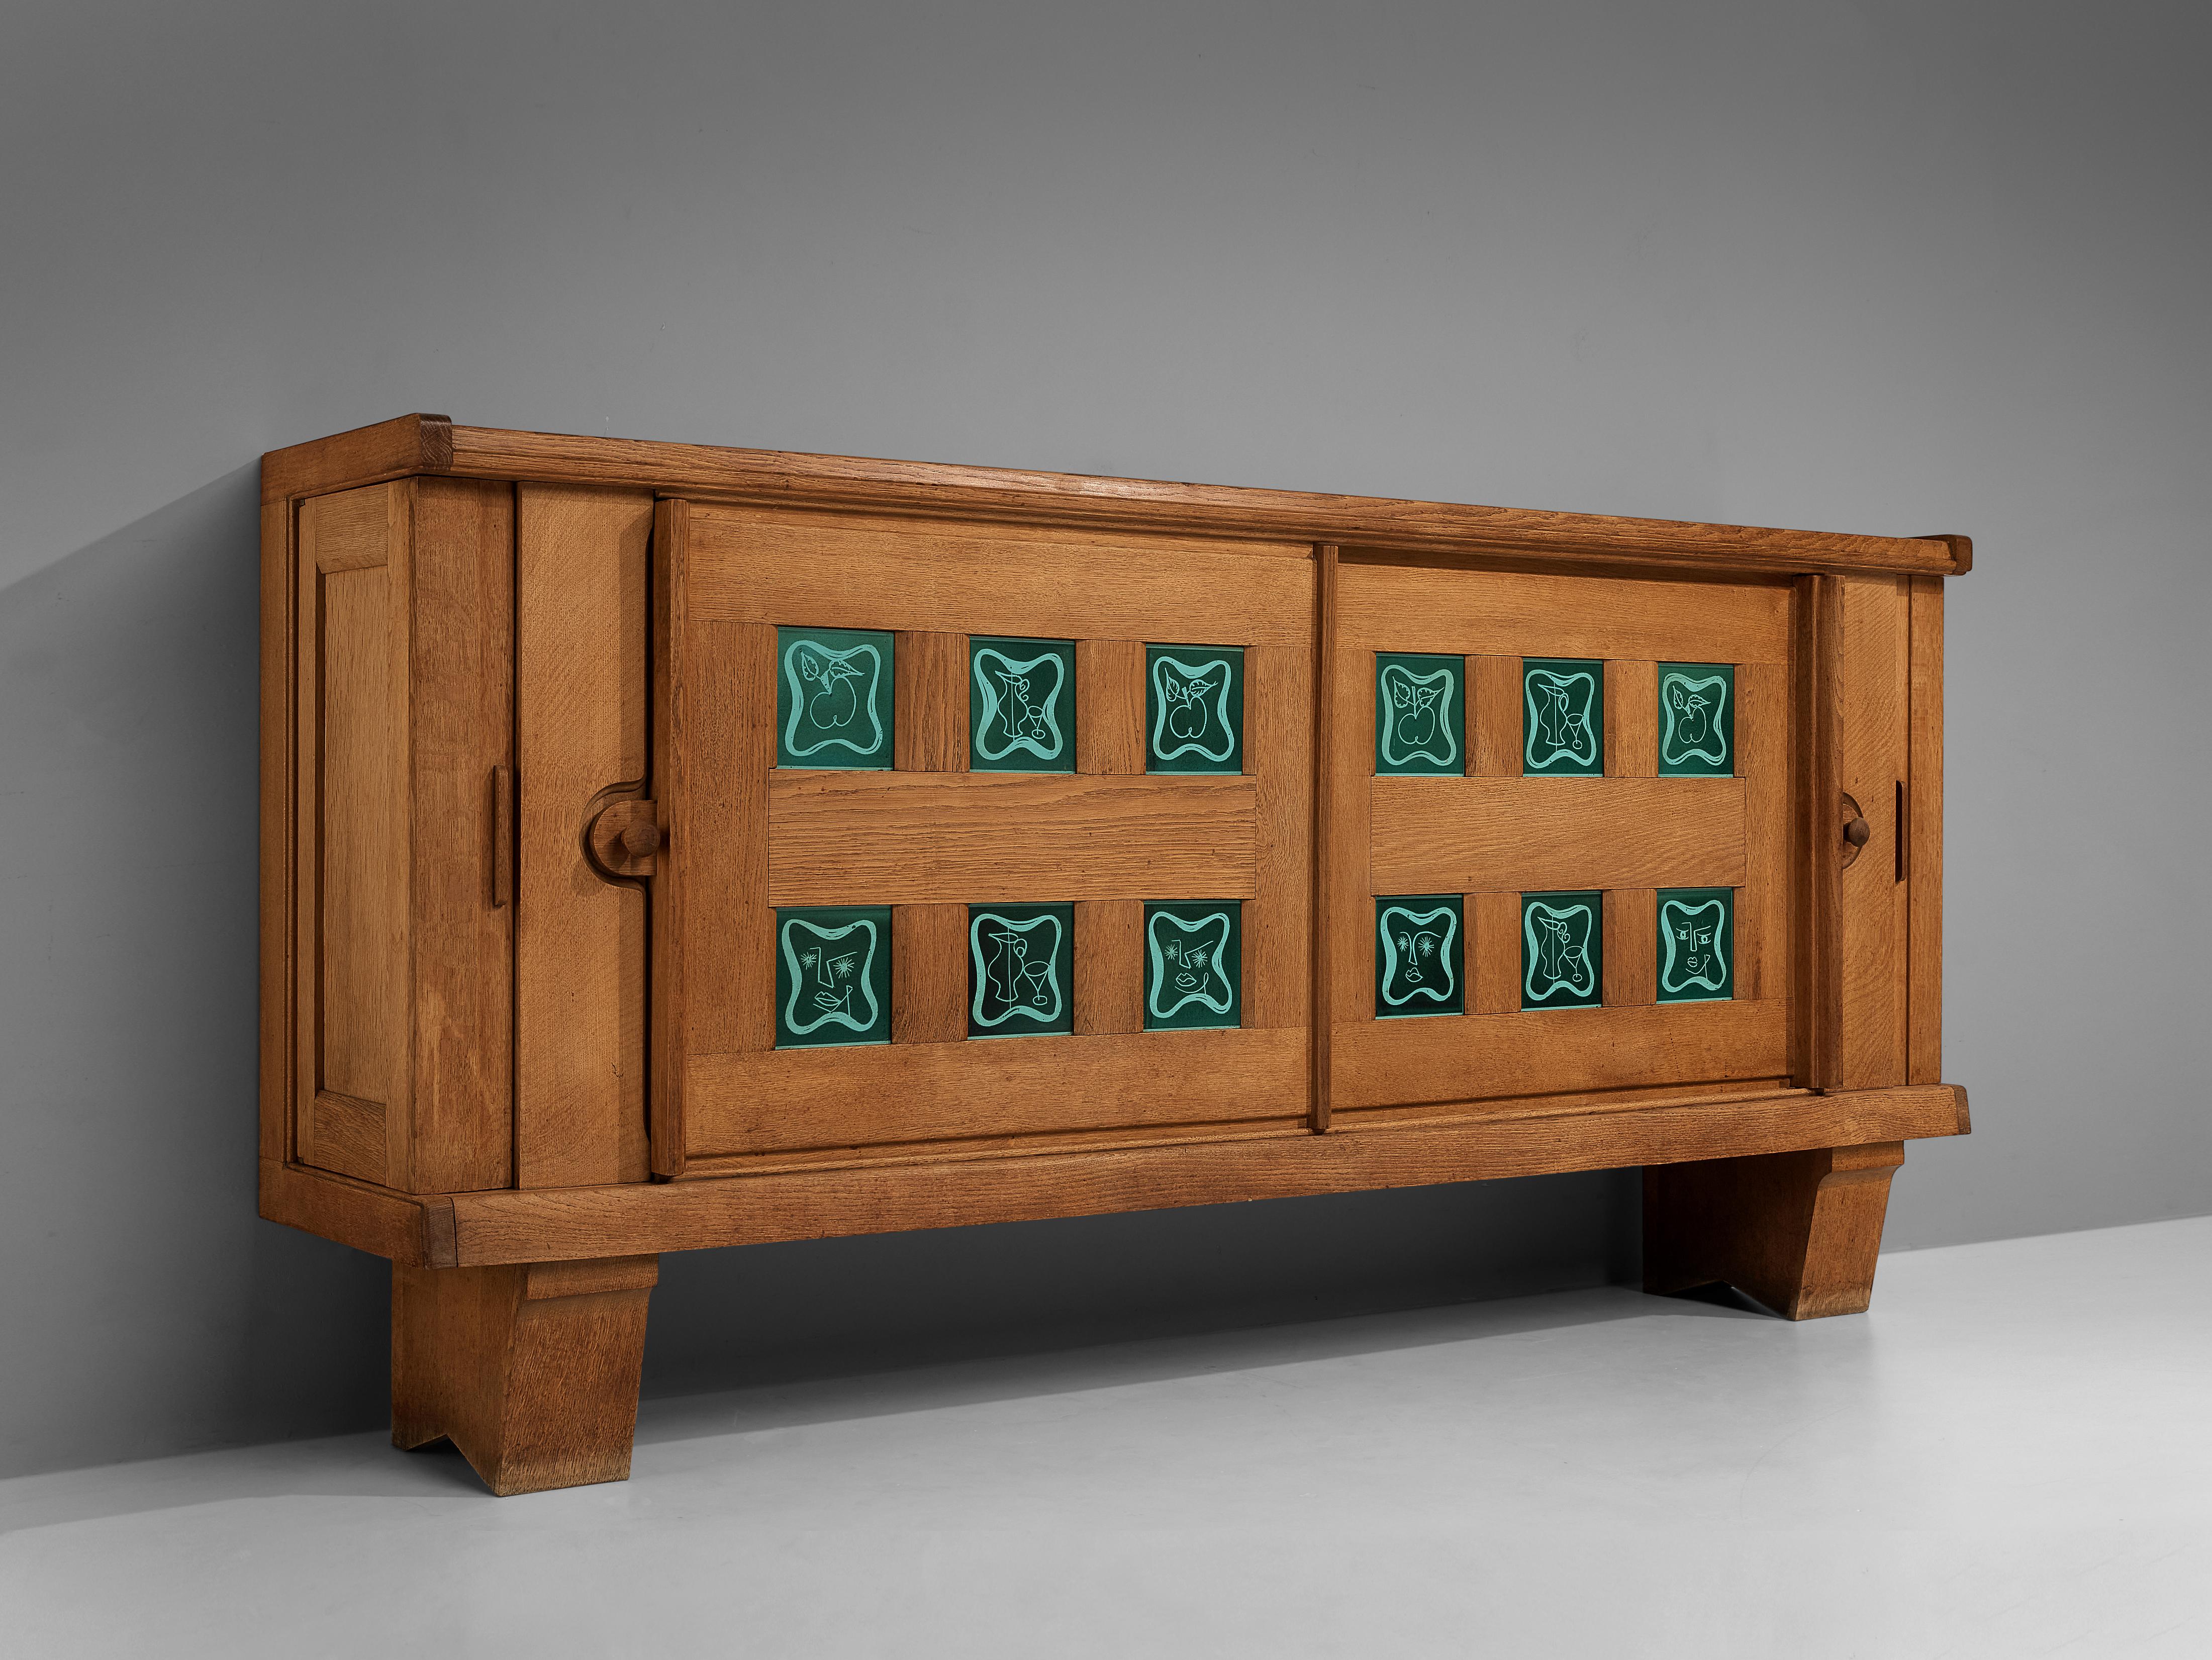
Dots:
(623, 839)
(1857, 831)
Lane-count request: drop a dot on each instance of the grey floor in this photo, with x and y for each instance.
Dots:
(2009, 1456)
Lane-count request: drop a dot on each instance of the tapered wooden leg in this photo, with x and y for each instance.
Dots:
(531, 1370)
(1797, 1231)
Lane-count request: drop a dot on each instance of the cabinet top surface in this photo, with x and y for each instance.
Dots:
(432, 444)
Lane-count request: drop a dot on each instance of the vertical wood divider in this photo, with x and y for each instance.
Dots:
(930, 716)
(1109, 967)
(1325, 787)
(1631, 947)
(1923, 862)
(1495, 715)
(1493, 952)
(664, 1064)
(1631, 720)
(1109, 706)
(929, 977)
(1817, 1038)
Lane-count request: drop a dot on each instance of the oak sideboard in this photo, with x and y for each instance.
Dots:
(665, 846)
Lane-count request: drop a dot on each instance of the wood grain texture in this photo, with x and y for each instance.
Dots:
(1631, 719)
(1493, 952)
(1763, 760)
(1872, 915)
(677, 732)
(531, 1370)
(1815, 928)
(1278, 918)
(1348, 880)
(1924, 855)
(582, 680)
(1110, 966)
(351, 999)
(929, 973)
(1798, 1231)
(874, 838)
(367, 455)
(987, 493)
(546, 1225)
(1632, 946)
(930, 708)
(1494, 714)
(1394, 607)
(1472, 1056)
(1109, 706)
(460, 1131)
(851, 1098)
(1328, 769)
(757, 566)
(1449, 834)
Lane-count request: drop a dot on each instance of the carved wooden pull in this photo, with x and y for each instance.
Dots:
(625, 838)
(1857, 831)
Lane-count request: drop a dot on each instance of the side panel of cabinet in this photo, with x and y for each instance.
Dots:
(403, 950)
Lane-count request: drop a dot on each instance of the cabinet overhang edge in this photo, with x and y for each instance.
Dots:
(432, 444)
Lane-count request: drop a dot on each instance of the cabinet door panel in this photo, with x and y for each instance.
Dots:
(822, 821)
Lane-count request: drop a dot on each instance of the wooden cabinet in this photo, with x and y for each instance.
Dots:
(667, 847)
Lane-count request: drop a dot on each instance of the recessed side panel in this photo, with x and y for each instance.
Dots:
(352, 957)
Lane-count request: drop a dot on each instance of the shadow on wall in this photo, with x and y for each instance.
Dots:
(150, 1311)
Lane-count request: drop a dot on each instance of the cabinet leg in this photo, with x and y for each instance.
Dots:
(1797, 1231)
(531, 1370)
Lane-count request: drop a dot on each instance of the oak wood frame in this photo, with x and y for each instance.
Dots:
(1862, 1046)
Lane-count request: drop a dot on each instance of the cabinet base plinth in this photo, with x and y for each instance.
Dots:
(1797, 1231)
(531, 1369)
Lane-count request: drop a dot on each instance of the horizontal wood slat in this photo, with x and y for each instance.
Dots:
(794, 1099)
(1451, 835)
(762, 567)
(577, 1222)
(1473, 1056)
(1534, 614)
(847, 838)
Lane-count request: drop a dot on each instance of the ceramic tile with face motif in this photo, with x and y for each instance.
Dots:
(1697, 719)
(1194, 964)
(1420, 715)
(1021, 964)
(1419, 952)
(1562, 947)
(1697, 944)
(1562, 717)
(832, 975)
(1195, 709)
(1021, 705)
(834, 690)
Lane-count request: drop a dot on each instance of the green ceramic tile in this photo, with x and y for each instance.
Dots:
(1697, 719)
(833, 698)
(1419, 955)
(1697, 944)
(1021, 705)
(832, 975)
(1421, 714)
(1562, 716)
(1194, 964)
(1562, 950)
(1021, 970)
(1195, 709)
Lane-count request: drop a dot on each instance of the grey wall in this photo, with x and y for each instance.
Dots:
(1884, 267)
